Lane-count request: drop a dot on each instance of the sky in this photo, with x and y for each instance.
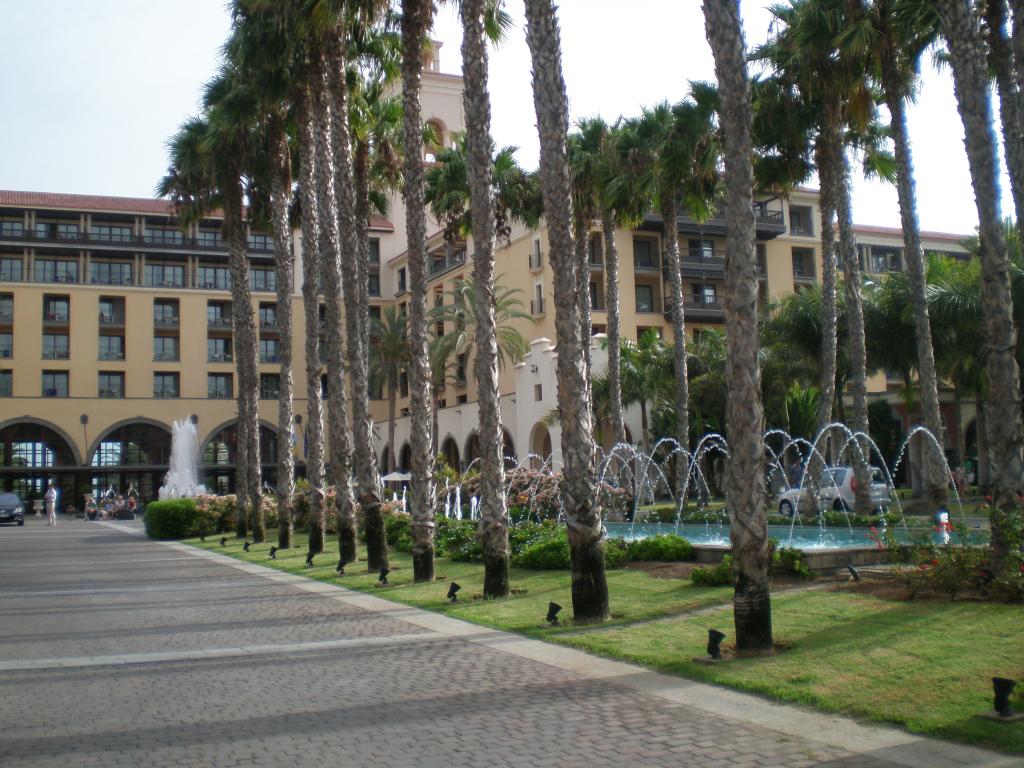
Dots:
(94, 89)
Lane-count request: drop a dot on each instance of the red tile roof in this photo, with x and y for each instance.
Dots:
(110, 203)
(870, 229)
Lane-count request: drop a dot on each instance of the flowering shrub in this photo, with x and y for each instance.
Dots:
(215, 514)
(536, 495)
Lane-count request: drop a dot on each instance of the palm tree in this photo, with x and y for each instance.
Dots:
(752, 608)
(1006, 432)
(261, 51)
(678, 153)
(893, 34)
(581, 503)
(416, 19)
(1005, 64)
(389, 352)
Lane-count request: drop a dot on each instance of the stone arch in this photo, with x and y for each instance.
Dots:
(69, 443)
(386, 460)
(225, 453)
(443, 137)
(450, 451)
(125, 423)
(405, 458)
(540, 444)
(472, 449)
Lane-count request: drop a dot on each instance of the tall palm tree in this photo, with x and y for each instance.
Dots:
(1006, 431)
(752, 607)
(893, 34)
(389, 354)
(417, 16)
(581, 503)
(1005, 65)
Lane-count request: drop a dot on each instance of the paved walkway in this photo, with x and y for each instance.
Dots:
(118, 651)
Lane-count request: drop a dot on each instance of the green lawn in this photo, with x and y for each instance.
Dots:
(924, 665)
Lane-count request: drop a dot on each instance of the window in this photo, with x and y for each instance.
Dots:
(643, 254)
(165, 275)
(6, 383)
(374, 284)
(163, 236)
(54, 271)
(401, 281)
(218, 386)
(645, 298)
(208, 238)
(375, 385)
(704, 294)
(800, 220)
(374, 253)
(165, 312)
(52, 230)
(261, 279)
(886, 259)
(55, 383)
(259, 241)
(111, 311)
(595, 249)
(269, 349)
(462, 399)
(217, 314)
(6, 345)
(703, 250)
(110, 234)
(595, 297)
(403, 384)
(111, 273)
(12, 229)
(10, 269)
(111, 385)
(214, 278)
(165, 385)
(6, 308)
(762, 259)
(218, 350)
(55, 346)
(165, 348)
(538, 392)
(537, 302)
(460, 368)
(270, 386)
(268, 316)
(803, 262)
(56, 309)
(111, 347)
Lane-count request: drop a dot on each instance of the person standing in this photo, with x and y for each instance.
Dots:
(51, 504)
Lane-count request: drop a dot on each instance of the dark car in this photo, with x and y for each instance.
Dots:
(11, 509)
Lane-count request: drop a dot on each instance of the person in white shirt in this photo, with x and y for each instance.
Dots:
(51, 505)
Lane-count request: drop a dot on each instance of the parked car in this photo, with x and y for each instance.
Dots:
(837, 491)
(11, 509)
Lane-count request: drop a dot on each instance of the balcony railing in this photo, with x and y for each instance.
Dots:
(646, 264)
(268, 358)
(8, 276)
(6, 352)
(55, 317)
(165, 393)
(219, 357)
(111, 318)
(218, 322)
(56, 354)
(536, 306)
(112, 355)
(536, 260)
(218, 394)
(6, 317)
(270, 325)
(442, 263)
(165, 357)
(653, 306)
(111, 393)
(148, 242)
(166, 322)
(111, 280)
(704, 257)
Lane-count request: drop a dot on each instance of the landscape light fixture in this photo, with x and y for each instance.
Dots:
(1003, 688)
(383, 578)
(341, 566)
(223, 541)
(715, 639)
(309, 559)
(245, 547)
(453, 592)
(202, 537)
(273, 553)
(854, 573)
(552, 617)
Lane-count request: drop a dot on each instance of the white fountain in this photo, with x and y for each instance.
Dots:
(181, 480)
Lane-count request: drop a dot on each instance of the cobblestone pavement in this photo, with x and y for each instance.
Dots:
(117, 651)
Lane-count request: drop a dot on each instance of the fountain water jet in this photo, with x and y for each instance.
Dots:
(181, 480)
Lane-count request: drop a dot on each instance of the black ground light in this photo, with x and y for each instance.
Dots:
(453, 592)
(1003, 688)
(854, 573)
(273, 553)
(245, 547)
(341, 566)
(715, 639)
(552, 617)
(383, 578)
(309, 559)
(223, 541)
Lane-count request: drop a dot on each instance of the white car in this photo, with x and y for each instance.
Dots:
(837, 491)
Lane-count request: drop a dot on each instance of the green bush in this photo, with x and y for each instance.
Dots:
(171, 519)
(547, 554)
(717, 576)
(615, 553)
(398, 530)
(792, 561)
(665, 548)
(457, 539)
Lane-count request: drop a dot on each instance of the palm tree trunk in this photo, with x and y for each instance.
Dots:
(824, 154)
(314, 440)
(392, 408)
(744, 415)
(493, 528)
(1006, 433)
(983, 466)
(914, 259)
(246, 345)
(580, 500)
(340, 466)
(416, 20)
(855, 329)
(582, 237)
(1001, 60)
(669, 212)
(284, 266)
(611, 279)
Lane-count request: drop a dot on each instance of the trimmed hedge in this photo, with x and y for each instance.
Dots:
(171, 519)
(664, 548)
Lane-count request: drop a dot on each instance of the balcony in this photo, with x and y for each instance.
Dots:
(165, 357)
(6, 316)
(705, 309)
(596, 264)
(171, 321)
(803, 275)
(400, 291)
(128, 241)
(167, 393)
(269, 358)
(646, 264)
(702, 260)
(56, 354)
(768, 224)
(111, 280)
(53, 392)
(536, 306)
(112, 355)
(218, 394)
(111, 318)
(651, 307)
(10, 276)
(218, 322)
(55, 318)
(6, 353)
(443, 262)
(536, 261)
(111, 393)
(219, 357)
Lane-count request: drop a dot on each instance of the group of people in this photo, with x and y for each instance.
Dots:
(115, 508)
